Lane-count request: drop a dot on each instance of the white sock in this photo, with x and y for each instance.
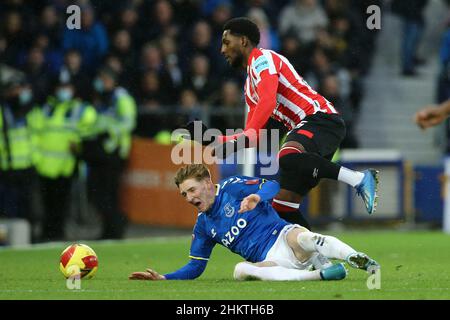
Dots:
(328, 246)
(350, 177)
(244, 271)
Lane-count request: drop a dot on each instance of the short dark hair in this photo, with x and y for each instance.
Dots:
(243, 27)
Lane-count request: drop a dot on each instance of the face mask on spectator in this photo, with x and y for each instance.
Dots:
(99, 86)
(25, 97)
(64, 94)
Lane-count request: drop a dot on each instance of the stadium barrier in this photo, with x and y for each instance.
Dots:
(15, 232)
(395, 187)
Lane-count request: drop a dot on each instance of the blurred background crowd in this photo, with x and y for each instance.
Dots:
(167, 53)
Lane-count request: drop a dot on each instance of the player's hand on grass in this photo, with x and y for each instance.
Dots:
(249, 203)
(430, 116)
(149, 274)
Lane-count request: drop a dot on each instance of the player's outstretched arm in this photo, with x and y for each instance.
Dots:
(190, 271)
(251, 187)
(431, 116)
(149, 274)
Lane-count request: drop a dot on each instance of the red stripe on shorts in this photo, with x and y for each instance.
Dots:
(307, 133)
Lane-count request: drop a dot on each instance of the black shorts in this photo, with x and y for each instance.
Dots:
(319, 133)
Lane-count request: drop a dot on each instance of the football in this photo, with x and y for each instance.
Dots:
(78, 259)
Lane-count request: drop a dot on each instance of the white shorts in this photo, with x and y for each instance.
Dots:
(282, 254)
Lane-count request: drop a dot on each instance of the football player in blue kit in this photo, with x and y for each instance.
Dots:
(237, 214)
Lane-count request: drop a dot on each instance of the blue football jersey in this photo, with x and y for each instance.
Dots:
(250, 234)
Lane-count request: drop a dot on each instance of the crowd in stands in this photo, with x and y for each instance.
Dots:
(167, 53)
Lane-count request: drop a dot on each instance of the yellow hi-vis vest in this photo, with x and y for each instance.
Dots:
(118, 120)
(16, 148)
(61, 125)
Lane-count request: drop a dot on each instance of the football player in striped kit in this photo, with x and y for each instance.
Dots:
(273, 88)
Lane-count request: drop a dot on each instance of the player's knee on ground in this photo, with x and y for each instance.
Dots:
(240, 271)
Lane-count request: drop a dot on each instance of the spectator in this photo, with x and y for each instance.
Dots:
(160, 21)
(72, 69)
(411, 13)
(292, 49)
(37, 74)
(189, 107)
(91, 40)
(443, 83)
(50, 25)
(171, 60)
(331, 90)
(152, 94)
(16, 37)
(151, 101)
(269, 38)
(322, 66)
(107, 150)
(52, 55)
(128, 19)
(122, 47)
(65, 120)
(230, 102)
(17, 174)
(200, 41)
(304, 18)
(221, 12)
(199, 79)
(189, 102)
(123, 50)
(151, 60)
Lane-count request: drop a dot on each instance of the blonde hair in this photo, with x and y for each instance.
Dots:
(196, 171)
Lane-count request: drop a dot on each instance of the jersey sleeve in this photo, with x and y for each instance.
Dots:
(266, 88)
(241, 187)
(193, 269)
(201, 247)
(202, 244)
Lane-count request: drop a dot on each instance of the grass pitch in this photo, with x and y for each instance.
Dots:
(414, 265)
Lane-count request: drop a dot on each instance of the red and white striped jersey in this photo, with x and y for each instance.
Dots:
(295, 99)
(273, 88)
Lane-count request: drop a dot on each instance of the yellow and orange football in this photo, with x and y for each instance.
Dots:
(78, 259)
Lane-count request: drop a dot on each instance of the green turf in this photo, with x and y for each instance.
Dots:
(415, 265)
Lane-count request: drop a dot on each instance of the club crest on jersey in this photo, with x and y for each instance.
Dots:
(229, 210)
